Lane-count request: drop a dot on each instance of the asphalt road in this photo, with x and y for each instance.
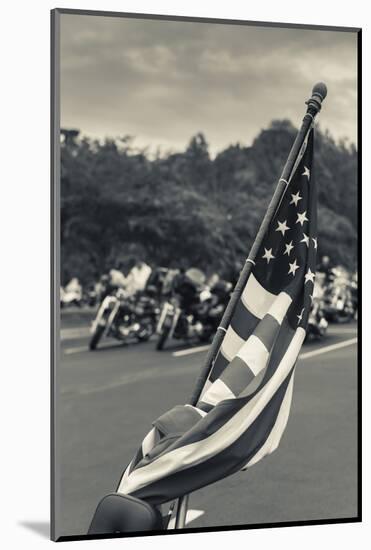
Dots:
(108, 399)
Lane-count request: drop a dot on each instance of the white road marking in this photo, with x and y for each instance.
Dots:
(70, 351)
(153, 373)
(344, 330)
(189, 351)
(107, 345)
(81, 332)
(157, 372)
(191, 516)
(199, 349)
(74, 333)
(327, 349)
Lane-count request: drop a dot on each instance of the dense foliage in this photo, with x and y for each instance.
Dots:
(187, 208)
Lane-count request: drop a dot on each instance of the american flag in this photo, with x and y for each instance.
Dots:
(245, 403)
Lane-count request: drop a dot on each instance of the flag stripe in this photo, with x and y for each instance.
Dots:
(194, 447)
(205, 388)
(217, 392)
(280, 306)
(221, 465)
(274, 437)
(252, 358)
(126, 473)
(206, 407)
(214, 420)
(232, 409)
(284, 338)
(283, 417)
(254, 354)
(243, 321)
(149, 441)
(232, 342)
(256, 298)
(219, 366)
(137, 458)
(177, 420)
(267, 331)
(237, 375)
(200, 411)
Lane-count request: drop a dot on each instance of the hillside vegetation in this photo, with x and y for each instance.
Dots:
(186, 208)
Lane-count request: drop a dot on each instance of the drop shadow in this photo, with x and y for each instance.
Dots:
(42, 528)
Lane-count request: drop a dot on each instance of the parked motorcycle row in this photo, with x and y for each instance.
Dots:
(335, 299)
(187, 306)
(193, 308)
(184, 306)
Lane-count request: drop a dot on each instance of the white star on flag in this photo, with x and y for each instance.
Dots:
(300, 317)
(296, 198)
(306, 172)
(302, 218)
(315, 242)
(309, 276)
(268, 255)
(289, 247)
(305, 239)
(293, 267)
(282, 227)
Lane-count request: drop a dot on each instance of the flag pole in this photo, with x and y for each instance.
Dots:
(314, 105)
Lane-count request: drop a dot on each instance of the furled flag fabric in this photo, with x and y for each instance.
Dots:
(245, 403)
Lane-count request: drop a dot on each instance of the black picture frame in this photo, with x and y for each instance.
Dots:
(55, 263)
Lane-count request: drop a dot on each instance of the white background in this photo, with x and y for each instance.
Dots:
(24, 268)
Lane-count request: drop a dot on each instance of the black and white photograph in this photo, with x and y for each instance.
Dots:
(205, 365)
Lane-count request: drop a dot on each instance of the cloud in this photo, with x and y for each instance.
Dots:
(163, 81)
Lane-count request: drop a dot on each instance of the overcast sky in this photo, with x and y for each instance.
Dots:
(163, 81)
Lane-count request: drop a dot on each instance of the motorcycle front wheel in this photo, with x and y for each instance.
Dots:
(163, 337)
(97, 335)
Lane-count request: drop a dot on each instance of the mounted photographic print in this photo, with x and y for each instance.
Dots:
(205, 275)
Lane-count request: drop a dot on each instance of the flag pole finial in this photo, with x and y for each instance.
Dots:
(319, 93)
(321, 89)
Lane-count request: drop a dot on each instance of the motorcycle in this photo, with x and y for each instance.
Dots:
(338, 302)
(354, 295)
(317, 323)
(71, 295)
(123, 317)
(90, 297)
(193, 311)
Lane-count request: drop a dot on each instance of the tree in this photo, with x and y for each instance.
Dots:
(187, 208)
